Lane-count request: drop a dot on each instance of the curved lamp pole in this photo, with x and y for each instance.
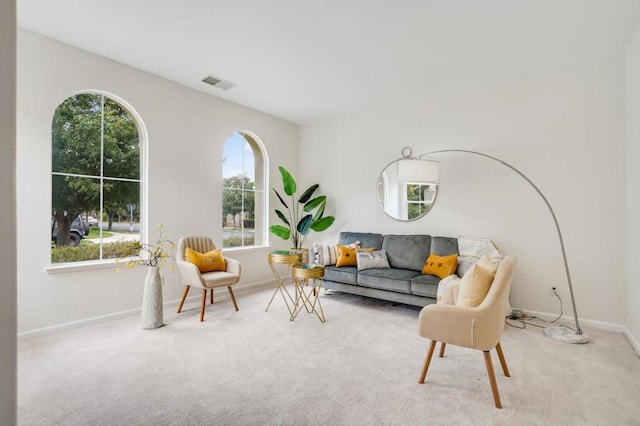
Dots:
(563, 334)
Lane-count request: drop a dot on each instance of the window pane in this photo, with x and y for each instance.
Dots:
(76, 135)
(69, 232)
(122, 207)
(121, 143)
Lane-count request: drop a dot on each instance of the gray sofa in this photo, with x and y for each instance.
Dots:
(403, 282)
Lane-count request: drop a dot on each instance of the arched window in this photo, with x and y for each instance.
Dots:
(96, 179)
(243, 191)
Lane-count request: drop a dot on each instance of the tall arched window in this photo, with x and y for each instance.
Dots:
(243, 191)
(96, 179)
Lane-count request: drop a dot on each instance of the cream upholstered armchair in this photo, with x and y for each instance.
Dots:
(477, 327)
(191, 275)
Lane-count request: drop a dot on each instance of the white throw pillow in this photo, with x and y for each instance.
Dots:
(372, 259)
(326, 254)
(448, 289)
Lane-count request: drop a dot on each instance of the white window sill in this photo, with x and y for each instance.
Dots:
(245, 249)
(62, 268)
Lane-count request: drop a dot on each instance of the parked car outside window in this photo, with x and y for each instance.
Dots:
(79, 229)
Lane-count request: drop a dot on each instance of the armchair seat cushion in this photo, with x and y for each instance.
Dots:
(218, 278)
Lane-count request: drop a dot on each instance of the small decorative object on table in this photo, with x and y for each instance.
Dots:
(153, 256)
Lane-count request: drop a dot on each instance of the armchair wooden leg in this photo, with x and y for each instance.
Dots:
(423, 375)
(184, 296)
(503, 362)
(212, 296)
(492, 379)
(442, 346)
(233, 298)
(204, 302)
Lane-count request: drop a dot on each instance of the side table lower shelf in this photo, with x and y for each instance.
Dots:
(307, 278)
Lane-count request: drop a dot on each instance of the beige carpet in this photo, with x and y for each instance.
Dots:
(359, 368)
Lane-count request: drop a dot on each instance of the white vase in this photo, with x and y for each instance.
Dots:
(152, 300)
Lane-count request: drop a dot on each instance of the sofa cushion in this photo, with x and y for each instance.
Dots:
(367, 240)
(398, 280)
(407, 251)
(425, 285)
(443, 246)
(346, 274)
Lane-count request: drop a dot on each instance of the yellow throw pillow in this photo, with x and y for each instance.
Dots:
(475, 284)
(206, 262)
(347, 255)
(440, 266)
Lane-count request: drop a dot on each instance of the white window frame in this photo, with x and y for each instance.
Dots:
(55, 268)
(264, 217)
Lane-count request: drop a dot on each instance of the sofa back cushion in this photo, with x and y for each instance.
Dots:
(407, 251)
(444, 246)
(367, 240)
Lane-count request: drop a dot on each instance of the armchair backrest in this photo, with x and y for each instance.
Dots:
(197, 243)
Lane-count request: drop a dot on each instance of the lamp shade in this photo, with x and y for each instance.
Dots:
(419, 172)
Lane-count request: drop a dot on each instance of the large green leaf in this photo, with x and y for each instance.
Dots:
(280, 231)
(308, 193)
(305, 224)
(319, 212)
(315, 203)
(323, 224)
(280, 198)
(282, 217)
(288, 183)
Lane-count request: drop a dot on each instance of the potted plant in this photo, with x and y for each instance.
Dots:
(303, 214)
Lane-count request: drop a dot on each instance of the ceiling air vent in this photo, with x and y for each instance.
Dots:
(218, 82)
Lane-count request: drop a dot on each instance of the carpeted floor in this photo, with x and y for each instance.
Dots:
(359, 368)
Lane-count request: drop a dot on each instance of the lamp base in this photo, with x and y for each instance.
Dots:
(566, 335)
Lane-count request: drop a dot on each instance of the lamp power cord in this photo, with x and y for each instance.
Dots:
(523, 320)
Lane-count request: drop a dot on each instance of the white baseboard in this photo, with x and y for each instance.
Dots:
(570, 321)
(632, 341)
(131, 312)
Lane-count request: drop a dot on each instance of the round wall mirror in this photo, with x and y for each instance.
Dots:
(402, 200)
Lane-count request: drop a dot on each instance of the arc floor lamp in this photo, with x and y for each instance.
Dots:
(561, 333)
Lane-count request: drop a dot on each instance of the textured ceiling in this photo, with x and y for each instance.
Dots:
(312, 60)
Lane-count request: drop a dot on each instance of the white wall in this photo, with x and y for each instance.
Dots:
(632, 195)
(187, 130)
(564, 130)
(8, 212)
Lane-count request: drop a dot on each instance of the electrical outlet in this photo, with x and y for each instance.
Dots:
(516, 314)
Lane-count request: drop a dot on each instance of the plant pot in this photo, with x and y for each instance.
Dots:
(303, 252)
(152, 300)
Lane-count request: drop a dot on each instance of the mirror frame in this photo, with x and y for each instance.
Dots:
(383, 184)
